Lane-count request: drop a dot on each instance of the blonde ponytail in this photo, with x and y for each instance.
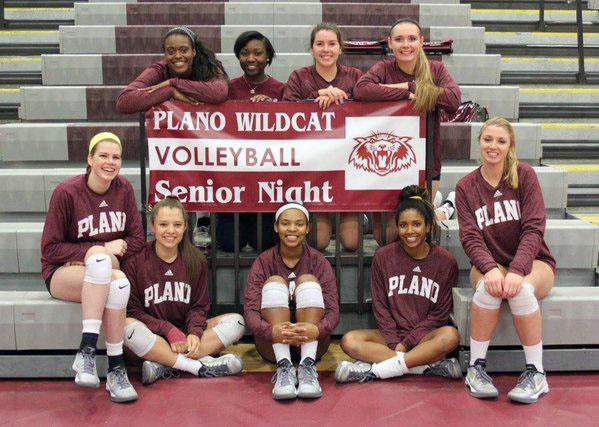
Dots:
(427, 92)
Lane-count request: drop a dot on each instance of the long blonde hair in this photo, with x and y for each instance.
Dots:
(427, 92)
(510, 166)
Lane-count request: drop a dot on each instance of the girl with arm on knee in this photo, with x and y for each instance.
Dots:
(91, 226)
(291, 302)
(189, 73)
(502, 219)
(410, 76)
(412, 283)
(167, 322)
(327, 82)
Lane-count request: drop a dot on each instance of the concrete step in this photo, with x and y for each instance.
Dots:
(538, 38)
(569, 318)
(24, 37)
(48, 142)
(573, 132)
(546, 64)
(285, 38)
(260, 13)
(39, 14)
(20, 63)
(530, 15)
(583, 94)
(115, 69)
(99, 103)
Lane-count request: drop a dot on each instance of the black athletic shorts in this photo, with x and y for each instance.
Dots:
(48, 281)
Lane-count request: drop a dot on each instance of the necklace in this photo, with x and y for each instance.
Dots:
(254, 88)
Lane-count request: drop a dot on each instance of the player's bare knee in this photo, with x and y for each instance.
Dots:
(117, 274)
(95, 250)
(276, 279)
(306, 278)
(449, 339)
(350, 343)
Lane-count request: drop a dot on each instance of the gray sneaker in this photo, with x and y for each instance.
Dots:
(152, 372)
(284, 380)
(532, 384)
(119, 387)
(446, 368)
(308, 387)
(85, 368)
(479, 382)
(223, 366)
(348, 372)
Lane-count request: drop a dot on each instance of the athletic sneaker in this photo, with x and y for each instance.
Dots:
(532, 384)
(308, 387)
(446, 368)
(284, 380)
(85, 368)
(119, 387)
(223, 366)
(152, 372)
(348, 372)
(479, 382)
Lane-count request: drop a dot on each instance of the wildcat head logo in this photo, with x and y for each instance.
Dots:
(382, 153)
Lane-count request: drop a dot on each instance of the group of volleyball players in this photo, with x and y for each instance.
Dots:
(152, 297)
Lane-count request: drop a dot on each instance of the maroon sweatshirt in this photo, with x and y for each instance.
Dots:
(270, 263)
(411, 298)
(134, 100)
(162, 297)
(500, 225)
(306, 82)
(241, 90)
(78, 219)
(387, 71)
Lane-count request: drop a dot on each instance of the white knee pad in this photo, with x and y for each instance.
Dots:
(230, 329)
(524, 302)
(139, 339)
(118, 295)
(485, 300)
(275, 295)
(309, 295)
(98, 269)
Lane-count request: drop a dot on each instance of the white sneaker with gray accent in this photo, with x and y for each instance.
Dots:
(284, 380)
(348, 372)
(223, 366)
(532, 384)
(446, 368)
(85, 368)
(152, 372)
(479, 382)
(308, 385)
(119, 387)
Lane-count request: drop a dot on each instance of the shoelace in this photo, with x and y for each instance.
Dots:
(526, 379)
(122, 381)
(361, 375)
(309, 374)
(216, 370)
(283, 376)
(482, 374)
(89, 362)
(167, 373)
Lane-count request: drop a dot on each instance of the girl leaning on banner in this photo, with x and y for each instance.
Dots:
(291, 302)
(189, 72)
(412, 283)
(502, 225)
(93, 225)
(327, 82)
(168, 308)
(410, 76)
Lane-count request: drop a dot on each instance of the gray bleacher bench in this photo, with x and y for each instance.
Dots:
(570, 316)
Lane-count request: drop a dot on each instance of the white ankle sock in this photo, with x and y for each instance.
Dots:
(91, 326)
(393, 367)
(478, 350)
(114, 349)
(308, 349)
(281, 351)
(188, 365)
(534, 355)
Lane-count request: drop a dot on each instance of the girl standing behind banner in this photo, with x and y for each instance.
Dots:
(411, 76)
(189, 73)
(327, 82)
(169, 305)
(291, 299)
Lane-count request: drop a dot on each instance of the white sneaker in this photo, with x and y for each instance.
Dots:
(152, 372)
(284, 380)
(308, 385)
(223, 366)
(85, 368)
(532, 384)
(119, 387)
(348, 372)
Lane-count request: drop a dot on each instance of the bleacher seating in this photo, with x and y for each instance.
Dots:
(114, 40)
